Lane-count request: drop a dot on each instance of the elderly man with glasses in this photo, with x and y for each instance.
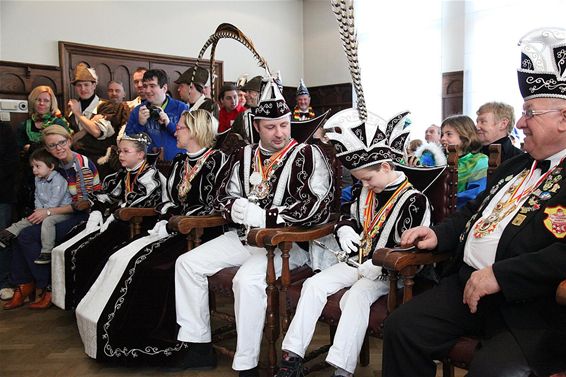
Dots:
(509, 250)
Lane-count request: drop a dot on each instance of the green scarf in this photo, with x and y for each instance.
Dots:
(33, 134)
(471, 167)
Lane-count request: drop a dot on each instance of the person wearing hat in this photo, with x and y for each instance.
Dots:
(384, 204)
(241, 92)
(157, 115)
(508, 246)
(276, 182)
(94, 130)
(229, 107)
(190, 86)
(136, 184)
(243, 125)
(303, 109)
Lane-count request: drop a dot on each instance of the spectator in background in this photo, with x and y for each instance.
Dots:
(157, 115)
(432, 134)
(243, 124)
(242, 80)
(303, 109)
(96, 122)
(229, 107)
(190, 86)
(115, 90)
(459, 130)
(82, 178)
(495, 123)
(137, 78)
(43, 112)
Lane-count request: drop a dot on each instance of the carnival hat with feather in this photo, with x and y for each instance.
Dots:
(272, 104)
(362, 138)
(543, 64)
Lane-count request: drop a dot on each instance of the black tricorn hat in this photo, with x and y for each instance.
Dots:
(194, 75)
(253, 84)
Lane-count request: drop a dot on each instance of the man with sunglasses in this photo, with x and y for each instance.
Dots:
(509, 250)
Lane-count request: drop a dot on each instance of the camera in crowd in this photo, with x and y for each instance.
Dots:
(154, 112)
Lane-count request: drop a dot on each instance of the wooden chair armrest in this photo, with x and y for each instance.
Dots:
(561, 293)
(397, 260)
(184, 224)
(262, 237)
(127, 214)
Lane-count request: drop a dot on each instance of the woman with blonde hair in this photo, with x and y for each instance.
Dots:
(43, 112)
(460, 131)
(129, 312)
(82, 179)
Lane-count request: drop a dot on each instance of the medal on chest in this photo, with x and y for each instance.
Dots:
(260, 179)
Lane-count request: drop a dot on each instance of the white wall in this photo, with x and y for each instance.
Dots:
(453, 35)
(30, 30)
(324, 59)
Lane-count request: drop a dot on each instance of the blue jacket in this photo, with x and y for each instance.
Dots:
(160, 136)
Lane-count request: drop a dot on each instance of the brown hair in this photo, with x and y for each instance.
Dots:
(41, 154)
(466, 129)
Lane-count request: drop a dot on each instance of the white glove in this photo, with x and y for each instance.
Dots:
(369, 270)
(159, 231)
(255, 216)
(238, 211)
(348, 238)
(104, 226)
(94, 221)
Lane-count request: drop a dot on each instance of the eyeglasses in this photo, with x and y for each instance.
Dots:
(61, 144)
(529, 114)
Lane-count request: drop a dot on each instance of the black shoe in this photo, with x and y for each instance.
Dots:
(254, 372)
(290, 366)
(199, 356)
(44, 258)
(5, 238)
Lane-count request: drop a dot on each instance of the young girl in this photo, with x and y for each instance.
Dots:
(459, 130)
(384, 204)
(136, 184)
(129, 314)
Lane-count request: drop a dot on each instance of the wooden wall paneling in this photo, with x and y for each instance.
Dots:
(452, 93)
(18, 79)
(335, 97)
(119, 64)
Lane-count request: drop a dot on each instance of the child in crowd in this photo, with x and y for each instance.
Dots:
(460, 131)
(383, 205)
(50, 192)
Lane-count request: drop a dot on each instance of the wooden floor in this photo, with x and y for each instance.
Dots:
(47, 344)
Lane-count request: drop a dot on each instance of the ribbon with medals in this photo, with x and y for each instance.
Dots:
(129, 183)
(259, 179)
(509, 202)
(191, 172)
(373, 222)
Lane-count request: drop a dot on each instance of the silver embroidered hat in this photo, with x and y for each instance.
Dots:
(271, 105)
(360, 144)
(543, 63)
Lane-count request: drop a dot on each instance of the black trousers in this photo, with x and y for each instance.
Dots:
(426, 328)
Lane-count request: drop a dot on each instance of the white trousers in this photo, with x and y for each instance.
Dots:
(249, 284)
(355, 305)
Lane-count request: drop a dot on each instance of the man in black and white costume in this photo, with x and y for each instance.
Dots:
(277, 182)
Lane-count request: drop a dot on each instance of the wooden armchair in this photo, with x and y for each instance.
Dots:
(440, 186)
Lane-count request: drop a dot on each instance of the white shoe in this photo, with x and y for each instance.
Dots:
(6, 293)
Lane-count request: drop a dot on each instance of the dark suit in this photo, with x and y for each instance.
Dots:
(529, 264)
(508, 150)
